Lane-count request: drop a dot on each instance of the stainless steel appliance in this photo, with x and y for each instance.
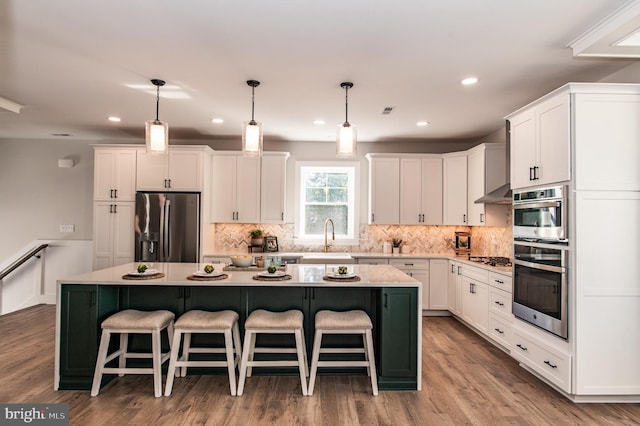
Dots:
(167, 227)
(540, 215)
(540, 285)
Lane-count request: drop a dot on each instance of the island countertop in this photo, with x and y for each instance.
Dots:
(301, 276)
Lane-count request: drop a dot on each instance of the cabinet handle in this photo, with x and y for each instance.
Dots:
(111, 196)
(464, 218)
(471, 288)
(408, 264)
(531, 173)
(535, 173)
(115, 208)
(110, 208)
(524, 348)
(237, 215)
(372, 217)
(499, 281)
(281, 215)
(459, 270)
(453, 269)
(481, 217)
(386, 300)
(550, 365)
(92, 299)
(169, 183)
(499, 331)
(115, 191)
(499, 303)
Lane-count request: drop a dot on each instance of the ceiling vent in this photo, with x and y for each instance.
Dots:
(387, 110)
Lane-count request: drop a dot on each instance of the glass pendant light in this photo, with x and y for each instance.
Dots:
(346, 140)
(157, 132)
(252, 130)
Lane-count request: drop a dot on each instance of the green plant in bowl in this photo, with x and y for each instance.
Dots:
(272, 269)
(141, 268)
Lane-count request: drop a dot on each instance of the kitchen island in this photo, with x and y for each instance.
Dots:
(389, 296)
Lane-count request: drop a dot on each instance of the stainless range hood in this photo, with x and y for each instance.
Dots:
(503, 194)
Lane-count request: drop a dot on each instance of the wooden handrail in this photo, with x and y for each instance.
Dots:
(9, 269)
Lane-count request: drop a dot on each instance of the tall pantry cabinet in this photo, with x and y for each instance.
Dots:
(595, 133)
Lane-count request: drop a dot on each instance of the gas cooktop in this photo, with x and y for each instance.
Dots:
(491, 260)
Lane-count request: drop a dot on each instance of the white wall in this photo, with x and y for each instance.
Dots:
(629, 74)
(37, 197)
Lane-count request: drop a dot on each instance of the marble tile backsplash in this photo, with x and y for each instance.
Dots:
(440, 239)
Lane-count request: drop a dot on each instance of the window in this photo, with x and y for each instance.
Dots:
(326, 191)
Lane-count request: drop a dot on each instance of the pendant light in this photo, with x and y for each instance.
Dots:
(252, 130)
(157, 132)
(346, 140)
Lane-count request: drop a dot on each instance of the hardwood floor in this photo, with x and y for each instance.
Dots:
(465, 381)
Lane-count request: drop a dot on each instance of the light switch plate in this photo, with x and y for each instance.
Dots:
(67, 228)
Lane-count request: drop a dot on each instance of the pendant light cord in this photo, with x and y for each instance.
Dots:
(346, 105)
(253, 91)
(157, 102)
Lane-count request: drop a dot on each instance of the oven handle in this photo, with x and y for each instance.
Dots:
(538, 205)
(544, 267)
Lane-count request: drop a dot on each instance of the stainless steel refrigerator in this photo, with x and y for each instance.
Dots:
(167, 227)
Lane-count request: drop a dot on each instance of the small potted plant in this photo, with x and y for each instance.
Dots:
(256, 237)
(396, 244)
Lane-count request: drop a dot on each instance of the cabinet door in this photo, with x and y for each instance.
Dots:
(152, 172)
(248, 189)
(102, 234)
(185, 170)
(553, 141)
(411, 191)
(475, 303)
(114, 174)
(273, 188)
(452, 287)
(82, 309)
(384, 191)
(523, 149)
(223, 201)
(475, 187)
(398, 338)
(455, 190)
(123, 241)
(438, 284)
(432, 191)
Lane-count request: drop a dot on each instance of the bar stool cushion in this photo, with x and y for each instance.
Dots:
(261, 319)
(203, 320)
(331, 320)
(132, 319)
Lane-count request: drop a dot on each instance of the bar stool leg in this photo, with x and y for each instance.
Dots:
(317, 342)
(124, 346)
(228, 343)
(102, 357)
(237, 345)
(245, 358)
(252, 340)
(372, 364)
(186, 347)
(302, 360)
(157, 363)
(171, 372)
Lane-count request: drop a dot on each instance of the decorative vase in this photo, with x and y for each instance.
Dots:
(396, 250)
(257, 242)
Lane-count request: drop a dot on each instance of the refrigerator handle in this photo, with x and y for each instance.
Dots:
(167, 234)
(161, 243)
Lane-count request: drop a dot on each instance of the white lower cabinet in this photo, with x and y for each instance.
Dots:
(438, 285)
(418, 269)
(551, 363)
(454, 287)
(475, 301)
(113, 225)
(500, 330)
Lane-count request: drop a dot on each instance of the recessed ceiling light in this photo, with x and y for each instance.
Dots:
(319, 122)
(422, 123)
(469, 81)
(64, 135)
(217, 120)
(114, 119)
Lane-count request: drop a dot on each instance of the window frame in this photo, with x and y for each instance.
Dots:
(353, 206)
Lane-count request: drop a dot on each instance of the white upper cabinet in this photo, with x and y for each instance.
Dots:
(486, 168)
(273, 187)
(454, 210)
(235, 188)
(421, 191)
(179, 170)
(113, 224)
(384, 190)
(114, 173)
(540, 142)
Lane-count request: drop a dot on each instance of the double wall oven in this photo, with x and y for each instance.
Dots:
(540, 258)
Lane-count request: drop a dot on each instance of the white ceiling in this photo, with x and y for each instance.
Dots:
(72, 63)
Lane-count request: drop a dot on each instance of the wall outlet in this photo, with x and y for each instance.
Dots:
(67, 228)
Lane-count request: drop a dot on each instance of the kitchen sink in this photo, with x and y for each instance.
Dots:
(341, 258)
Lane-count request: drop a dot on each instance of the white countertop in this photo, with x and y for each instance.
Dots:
(301, 276)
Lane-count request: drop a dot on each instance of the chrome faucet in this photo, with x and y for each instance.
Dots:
(333, 234)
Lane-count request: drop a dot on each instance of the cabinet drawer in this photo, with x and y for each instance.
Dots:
(551, 364)
(500, 330)
(500, 302)
(476, 274)
(373, 261)
(410, 263)
(500, 281)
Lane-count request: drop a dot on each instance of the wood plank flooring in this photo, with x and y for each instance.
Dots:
(465, 381)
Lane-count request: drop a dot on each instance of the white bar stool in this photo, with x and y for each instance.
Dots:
(350, 322)
(196, 321)
(131, 321)
(262, 321)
